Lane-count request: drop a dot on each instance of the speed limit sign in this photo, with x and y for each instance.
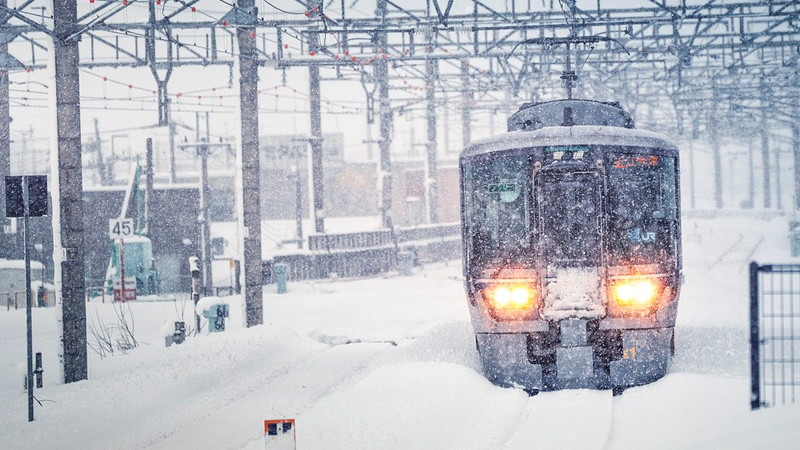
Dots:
(120, 228)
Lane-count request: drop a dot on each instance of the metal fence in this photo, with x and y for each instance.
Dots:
(774, 334)
(368, 253)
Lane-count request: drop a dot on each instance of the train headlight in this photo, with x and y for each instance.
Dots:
(511, 297)
(635, 293)
(511, 301)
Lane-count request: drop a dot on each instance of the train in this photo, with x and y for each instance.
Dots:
(572, 248)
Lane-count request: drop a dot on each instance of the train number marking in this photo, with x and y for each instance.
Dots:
(629, 353)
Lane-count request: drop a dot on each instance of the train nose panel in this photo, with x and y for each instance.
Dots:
(573, 292)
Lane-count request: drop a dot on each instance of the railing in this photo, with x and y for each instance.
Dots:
(18, 299)
(368, 253)
(774, 334)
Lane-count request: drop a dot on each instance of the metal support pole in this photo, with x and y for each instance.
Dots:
(194, 269)
(250, 174)
(67, 182)
(466, 104)
(205, 226)
(5, 150)
(148, 185)
(751, 176)
(430, 176)
(28, 296)
(691, 173)
(712, 125)
(150, 53)
(755, 369)
(298, 204)
(765, 161)
(764, 128)
(778, 191)
(317, 189)
(384, 110)
(172, 175)
(796, 153)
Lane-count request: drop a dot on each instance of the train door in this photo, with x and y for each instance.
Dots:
(570, 213)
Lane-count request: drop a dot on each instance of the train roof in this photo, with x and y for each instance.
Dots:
(575, 135)
(569, 112)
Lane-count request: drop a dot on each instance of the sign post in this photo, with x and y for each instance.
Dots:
(120, 229)
(26, 196)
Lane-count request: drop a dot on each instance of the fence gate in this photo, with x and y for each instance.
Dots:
(774, 334)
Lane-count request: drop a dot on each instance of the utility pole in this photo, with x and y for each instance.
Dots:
(385, 123)
(205, 223)
(203, 150)
(430, 181)
(67, 181)
(148, 183)
(150, 52)
(691, 173)
(466, 104)
(712, 126)
(317, 200)
(778, 191)
(765, 145)
(172, 174)
(250, 174)
(751, 176)
(298, 202)
(6, 241)
(796, 153)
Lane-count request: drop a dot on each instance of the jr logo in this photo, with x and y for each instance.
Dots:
(637, 235)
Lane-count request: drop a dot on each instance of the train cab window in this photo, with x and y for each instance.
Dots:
(497, 200)
(642, 208)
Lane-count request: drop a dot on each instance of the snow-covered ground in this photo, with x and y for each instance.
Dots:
(390, 363)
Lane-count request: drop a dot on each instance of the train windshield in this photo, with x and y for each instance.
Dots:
(642, 205)
(497, 207)
(570, 218)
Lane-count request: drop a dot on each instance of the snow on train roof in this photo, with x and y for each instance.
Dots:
(576, 135)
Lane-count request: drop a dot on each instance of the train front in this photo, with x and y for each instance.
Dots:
(572, 248)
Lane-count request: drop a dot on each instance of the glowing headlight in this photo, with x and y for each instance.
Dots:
(511, 297)
(635, 293)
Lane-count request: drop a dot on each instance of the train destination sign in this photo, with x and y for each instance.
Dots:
(567, 148)
(502, 187)
(626, 161)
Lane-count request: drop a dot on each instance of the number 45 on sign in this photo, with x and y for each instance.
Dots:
(120, 228)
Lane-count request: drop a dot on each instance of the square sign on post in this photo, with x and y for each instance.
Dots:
(37, 196)
(33, 191)
(279, 434)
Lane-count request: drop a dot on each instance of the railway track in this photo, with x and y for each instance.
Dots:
(740, 251)
(545, 418)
